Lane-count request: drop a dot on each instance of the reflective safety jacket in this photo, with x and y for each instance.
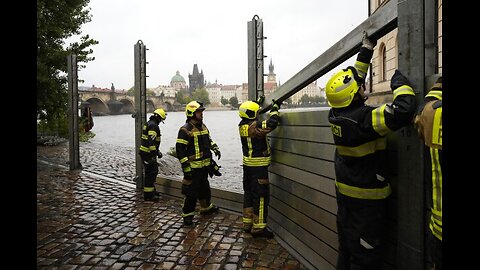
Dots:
(359, 134)
(429, 127)
(151, 138)
(193, 145)
(253, 135)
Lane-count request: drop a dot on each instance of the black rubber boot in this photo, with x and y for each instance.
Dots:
(263, 233)
(150, 197)
(188, 220)
(212, 210)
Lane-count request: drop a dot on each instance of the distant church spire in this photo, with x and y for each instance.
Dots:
(196, 79)
(272, 77)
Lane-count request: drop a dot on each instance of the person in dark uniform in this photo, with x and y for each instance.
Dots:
(256, 159)
(149, 151)
(193, 147)
(359, 132)
(429, 127)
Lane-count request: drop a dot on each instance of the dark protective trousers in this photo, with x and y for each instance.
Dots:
(198, 189)
(361, 228)
(256, 195)
(151, 171)
(434, 251)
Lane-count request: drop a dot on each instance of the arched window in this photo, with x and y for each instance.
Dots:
(383, 55)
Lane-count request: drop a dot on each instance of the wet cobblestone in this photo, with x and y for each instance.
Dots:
(119, 163)
(88, 222)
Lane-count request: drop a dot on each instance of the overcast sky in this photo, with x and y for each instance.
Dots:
(213, 35)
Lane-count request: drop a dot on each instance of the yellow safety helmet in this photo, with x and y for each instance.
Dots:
(342, 87)
(192, 107)
(248, 110)
(436, 90)
(160, 112)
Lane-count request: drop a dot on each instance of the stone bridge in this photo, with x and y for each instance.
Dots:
(111, 102)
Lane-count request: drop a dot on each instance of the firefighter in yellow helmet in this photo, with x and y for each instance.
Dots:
(193, 147)
(359, 132)
(428, 122)
(149, 151)
(256, 159)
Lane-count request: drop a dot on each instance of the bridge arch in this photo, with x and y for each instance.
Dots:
(98, 106)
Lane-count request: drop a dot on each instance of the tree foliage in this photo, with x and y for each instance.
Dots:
(224, 101)
(183, 97)
(201, 94)
(234, 102)
(58, 20)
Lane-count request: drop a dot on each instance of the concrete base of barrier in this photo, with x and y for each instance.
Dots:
(227, 200)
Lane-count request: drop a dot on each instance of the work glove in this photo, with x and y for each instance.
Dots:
(273, 121)
(159, 154)
(368, 43)
(398, 80)
(216, 151)
(214, 169)
(260, 100)
(275, 108)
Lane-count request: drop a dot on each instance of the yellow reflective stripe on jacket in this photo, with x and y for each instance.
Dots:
(403, 90)
(378, 120)
(437, 216)
(256, 161)
(435, 228)
(361, 68)
(364, 193)
(185, 159)
(152, 133)
(144, 149)
(364, 149)
(437, 128)
(436, 192)
(435, 93)
(264, 124)
(201, 132)
(182, 141)
(200, 163)
(250, 148)
(144, 136)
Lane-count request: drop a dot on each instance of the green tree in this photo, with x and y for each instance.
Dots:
(322, 100)
(183, 97)
(224, 101)
(234, 102)
(305, 99)
(58, 20)
(201, 95)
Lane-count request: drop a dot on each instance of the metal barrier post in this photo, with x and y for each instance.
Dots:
(140, 113)
(74, 147)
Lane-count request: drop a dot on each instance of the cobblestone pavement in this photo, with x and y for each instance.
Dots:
(94, 221)
(119, 163)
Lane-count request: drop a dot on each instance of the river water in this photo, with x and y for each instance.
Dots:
(118, 132)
